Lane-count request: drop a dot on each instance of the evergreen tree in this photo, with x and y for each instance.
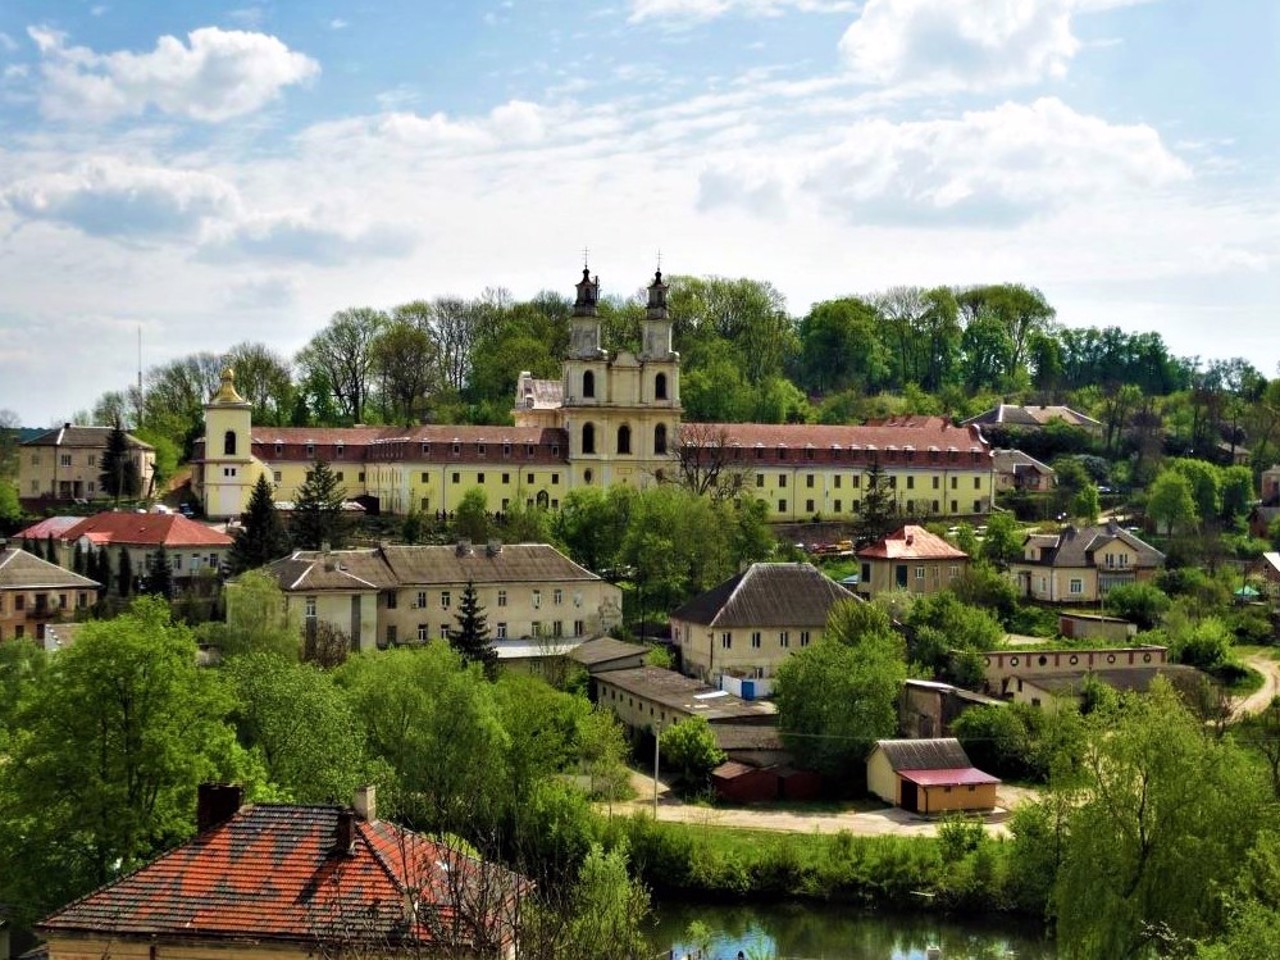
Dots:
(50, 549)
(471, 638)
(124, 574)
(119, 476)
(160, 577)
(78, 561)
(317, 512)
(879, 512)
(262, 536)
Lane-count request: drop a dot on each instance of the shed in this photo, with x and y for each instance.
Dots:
(796, 784)
(739, 783)
(928, 776)
(1095, 626)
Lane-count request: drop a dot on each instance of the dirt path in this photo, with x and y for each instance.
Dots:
(1260, 698)
(888, 821)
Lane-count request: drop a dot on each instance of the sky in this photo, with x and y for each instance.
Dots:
(209, 174)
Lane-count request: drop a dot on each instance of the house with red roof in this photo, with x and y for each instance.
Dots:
(194, 549)
(911, 558)
(283, 880)
(928, 776)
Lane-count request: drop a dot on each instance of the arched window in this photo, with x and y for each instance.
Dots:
(588, 438)
(587, 476)
(660, 387)
(624, 439)
(660, 438)
(588, 384)
(229, 443)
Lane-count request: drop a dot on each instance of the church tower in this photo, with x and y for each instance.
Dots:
(228, 469)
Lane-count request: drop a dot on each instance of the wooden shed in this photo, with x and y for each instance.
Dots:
(928, 776)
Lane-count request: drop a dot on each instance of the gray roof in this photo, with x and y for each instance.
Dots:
(384, 568)
(1031, 415)
(1075, 546)
(591, 653)
(20, 570)
(942, 753)
(1130, 679)
(1015, 461)
(767, 595)
(747, 736)
(70, 435)
(685, 695)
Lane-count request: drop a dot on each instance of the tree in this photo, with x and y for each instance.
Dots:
(706, 464)
(159, 581)
(405, 362)
(1003, 541)
(10, 507)
(689, 745)
(471, 518)
(835, 700)
(1086, 505)
(119, 475)
(342, 353)
(471, 636)
(1169, 501)
(317, 512)
(878, 514)
(262, 536)
(1141, 603)
(124, 574)
(1149, 847)
(117, 734)
(608, 910)
(264, 378)
(257, 620)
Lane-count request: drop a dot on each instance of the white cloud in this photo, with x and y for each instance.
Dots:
(513, 122)
(306, 237)
(699, 10)
(109, 198)
(993, 167)
(262, 293)
(337, 23)
(218, 74)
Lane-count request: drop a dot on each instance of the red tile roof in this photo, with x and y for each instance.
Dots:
(957, 777)
(146, 530)
(49, 526)
(912, 543)
(917, 432)
(276, 872)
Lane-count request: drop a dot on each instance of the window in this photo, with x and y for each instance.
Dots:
(426, 504)
(935, 506)
(340, 449)
(1077, 587)
(808, 506)
(421, 602)
(893, 483)
(977, 506)
(804, 638)
(445, 600)
(557, 596)
(955, 506)
(92, 486)
(276, 476)
(423, 633)
(660, 438)
(457, 477)
(228, 471)
(391, 635)
(557, 628)
(479, 478)
(65, 459)
(855, 481)
(782, 480)
(839, 506)
(782, 506)
(911, 483)
(177, 562)
(784, 639)
(588, 384)
(579, 628)
(20, 602)
(311, 449)
(506, 449)
(808, 480)
(537, 599)
(457, 449)
(480, 449)
(555, 479)
(536, 628)
(660, 387)
(360, 477)
(35, 459)
(577, 598)
(977, 483)
(954, 482)
(309, 608)
(759, 479)
(502, 598)
(726, 640)
(506, 478)
(919, 573)
(501, 631)
(624, 439)
(229, 443)
(911, 506)
(953, 571)
(588, 438)
(338, 475)
(935, 483)
(755, 639)
(393, 600)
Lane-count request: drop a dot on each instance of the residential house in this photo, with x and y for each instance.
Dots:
(66, 464)
(1269, 485)
(1033, 417)
(1018, 471)
(36, 594)
(737, 633)
(1267, 569)
(390, 595)
(913, 559)
(286, 880)
(612, 418)
(649, 698)
(1003, 669)
(1081, 564)
(928, 708)
(1055, 691)
(605, 654)
(928, 776)
(196, 552)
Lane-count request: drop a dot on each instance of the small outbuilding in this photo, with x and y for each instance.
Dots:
(736, 782)
(928, 776)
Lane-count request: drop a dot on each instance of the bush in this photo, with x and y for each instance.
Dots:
(1141, 603)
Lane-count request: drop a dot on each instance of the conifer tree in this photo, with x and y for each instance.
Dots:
(78, 563)
(317, 512)
(471, 638)
(50, 549)
(878, 514)
(124, 574)
(119, 476)
(262, 537)
(160, 577)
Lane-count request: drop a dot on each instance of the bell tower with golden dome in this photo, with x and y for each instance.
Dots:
(228, 470)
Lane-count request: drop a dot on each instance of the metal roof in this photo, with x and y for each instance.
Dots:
(767, 595)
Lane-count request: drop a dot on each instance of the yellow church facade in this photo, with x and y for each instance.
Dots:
(613, 417)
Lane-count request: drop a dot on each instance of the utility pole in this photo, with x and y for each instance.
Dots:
(657, 739)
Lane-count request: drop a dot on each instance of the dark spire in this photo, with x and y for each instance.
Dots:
(588, 294)
(657, 298)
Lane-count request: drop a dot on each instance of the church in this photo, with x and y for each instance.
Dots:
(613, 417)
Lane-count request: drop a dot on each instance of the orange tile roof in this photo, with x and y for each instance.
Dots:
(146, 530)
(275, 872)
(912, 543)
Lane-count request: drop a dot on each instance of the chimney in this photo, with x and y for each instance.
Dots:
(326, 552)
(464, 548)
(216, 803)
(365, 803)
(494, 548)
(66, 425)
(344, 842)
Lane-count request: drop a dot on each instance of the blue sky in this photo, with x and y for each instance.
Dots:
(219, 173)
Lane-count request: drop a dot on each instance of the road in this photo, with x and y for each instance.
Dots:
(1262, 697)
(888, 821)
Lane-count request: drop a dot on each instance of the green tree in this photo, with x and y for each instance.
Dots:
(124, 573)
(1206, 486)
(317, 513)
(878, 514)
(1002, 543)
(119, 477)
(1141, 603)
(296, 721)
(1149, 847)
(342, 356)
(942, 623)
(10, 507)
(471, 518)
(1237, 493)
(689, 746)
(21, 663)
(470, 638)
(159, 580)
(262, 536)
(1086, 505)
(1169, 501)
(257, 620)
(117, 734)
(608, 911)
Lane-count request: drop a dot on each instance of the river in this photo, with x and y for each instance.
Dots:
(824, 932)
